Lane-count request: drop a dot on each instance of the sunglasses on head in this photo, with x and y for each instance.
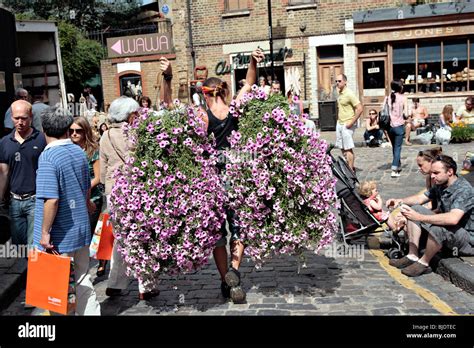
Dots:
(78, 131)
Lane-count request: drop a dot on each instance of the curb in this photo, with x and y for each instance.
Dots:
(458, 272)
(13, 280)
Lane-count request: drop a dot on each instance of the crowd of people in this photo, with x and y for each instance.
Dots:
(56, 174)
(51, 158)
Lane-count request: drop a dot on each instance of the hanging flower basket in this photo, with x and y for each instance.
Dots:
(167, 202)
(281, 184)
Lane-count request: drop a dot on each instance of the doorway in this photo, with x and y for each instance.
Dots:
(373, 82)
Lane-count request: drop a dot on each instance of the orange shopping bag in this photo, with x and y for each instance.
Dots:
(48, 281)
(104, 252)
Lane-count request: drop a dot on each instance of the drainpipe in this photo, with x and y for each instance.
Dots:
(190, 32)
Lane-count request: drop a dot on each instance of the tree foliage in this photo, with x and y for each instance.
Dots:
(81, 57)
(85, 14)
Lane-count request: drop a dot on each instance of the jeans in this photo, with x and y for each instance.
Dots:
(376, 133)
(396, 135)
(22, 215)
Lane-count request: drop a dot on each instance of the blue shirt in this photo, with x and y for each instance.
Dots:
(7, 122)
(22, 160)
(63, 174)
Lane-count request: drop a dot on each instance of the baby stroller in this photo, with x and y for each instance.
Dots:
(355, 220)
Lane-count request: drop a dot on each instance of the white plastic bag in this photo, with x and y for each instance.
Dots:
(425, 138)
(443, 136)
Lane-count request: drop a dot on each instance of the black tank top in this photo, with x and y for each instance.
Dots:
(221, 129)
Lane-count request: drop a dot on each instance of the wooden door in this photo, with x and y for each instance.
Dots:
(373, 83)
(327, 76)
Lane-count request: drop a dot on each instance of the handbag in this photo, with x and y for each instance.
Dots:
(384, 116)
(103, 239)
(50, 282)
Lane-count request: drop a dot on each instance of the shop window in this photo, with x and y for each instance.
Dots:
(455, 72)
(331, 52)
(429, 67)
(372, 48)
(374, 74)
(236, 5)
(131, 85)
(404, 65)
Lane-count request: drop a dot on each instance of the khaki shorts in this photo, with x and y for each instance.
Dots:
(452, 237)
(344, 135)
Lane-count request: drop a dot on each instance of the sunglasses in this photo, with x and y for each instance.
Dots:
(338, 81)
(78, 131)
(372, 113)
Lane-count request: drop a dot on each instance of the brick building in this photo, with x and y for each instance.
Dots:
(429, 46)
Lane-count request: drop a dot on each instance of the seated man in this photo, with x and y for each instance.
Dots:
(450, 226)
(416, 118)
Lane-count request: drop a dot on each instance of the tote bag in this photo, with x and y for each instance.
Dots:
(384, 116)
(103, 239)
(50, 282)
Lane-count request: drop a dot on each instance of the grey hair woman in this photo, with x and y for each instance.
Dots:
(114, 150)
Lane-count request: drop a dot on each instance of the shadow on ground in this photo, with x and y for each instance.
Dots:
(200, 291)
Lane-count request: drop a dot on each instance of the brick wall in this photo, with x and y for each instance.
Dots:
(213, 30)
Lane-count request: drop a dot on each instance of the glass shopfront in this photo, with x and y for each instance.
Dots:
(434, 66)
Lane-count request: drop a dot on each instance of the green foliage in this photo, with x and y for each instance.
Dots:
(85, 14)
(461, 133)
(80, 56)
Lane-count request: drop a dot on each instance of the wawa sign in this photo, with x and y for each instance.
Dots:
(139, 45)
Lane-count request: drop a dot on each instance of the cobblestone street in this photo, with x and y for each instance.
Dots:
(357, 283)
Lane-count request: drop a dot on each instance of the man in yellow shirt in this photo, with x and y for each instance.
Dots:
(349, 111)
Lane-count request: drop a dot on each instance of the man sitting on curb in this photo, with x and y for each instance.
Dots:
(449, 226)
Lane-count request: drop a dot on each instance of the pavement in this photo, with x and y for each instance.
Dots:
(356, 282)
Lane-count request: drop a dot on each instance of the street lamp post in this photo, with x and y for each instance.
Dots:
(270, 35)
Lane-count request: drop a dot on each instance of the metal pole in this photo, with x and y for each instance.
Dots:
(270, 35)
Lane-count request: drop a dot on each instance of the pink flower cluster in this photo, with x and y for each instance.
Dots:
(167, 202)
(284, 195)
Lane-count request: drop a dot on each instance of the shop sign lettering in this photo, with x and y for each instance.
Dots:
(242, 60)
(139, 45)
(424, 32)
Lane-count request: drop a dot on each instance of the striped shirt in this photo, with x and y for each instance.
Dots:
(63, 174)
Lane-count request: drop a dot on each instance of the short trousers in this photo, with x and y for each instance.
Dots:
(448, 236)
(344, 135)
(234, 229)
(420, 121)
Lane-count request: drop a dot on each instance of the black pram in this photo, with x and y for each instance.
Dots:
(355, 220)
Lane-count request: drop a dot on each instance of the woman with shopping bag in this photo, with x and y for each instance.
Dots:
(81, 135)
(63, 205)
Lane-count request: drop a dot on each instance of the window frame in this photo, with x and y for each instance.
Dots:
(243, 6)
(469, 41)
